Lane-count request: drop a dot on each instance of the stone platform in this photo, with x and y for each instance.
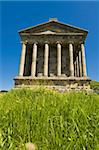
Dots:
(58, 83)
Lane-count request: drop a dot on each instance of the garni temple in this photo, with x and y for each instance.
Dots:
(53, 55)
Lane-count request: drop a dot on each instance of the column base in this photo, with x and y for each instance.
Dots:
(58, 83)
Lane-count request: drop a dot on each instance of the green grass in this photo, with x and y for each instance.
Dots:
(50, 120)
(94, 85)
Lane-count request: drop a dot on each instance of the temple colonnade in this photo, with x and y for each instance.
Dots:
(77, 67)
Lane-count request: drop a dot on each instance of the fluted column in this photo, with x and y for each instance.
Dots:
(58, 59)
(22, 61)
(80, 65)
(46, 59)
(34, 57)
(77, 66)
(71, 59)
(83, 60)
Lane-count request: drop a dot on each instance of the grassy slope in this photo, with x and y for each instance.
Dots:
(51, 120)
(94, 85)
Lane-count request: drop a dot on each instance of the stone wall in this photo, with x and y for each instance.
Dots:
(52, 60)
(40, 60)
(65, 60)
(58, 84)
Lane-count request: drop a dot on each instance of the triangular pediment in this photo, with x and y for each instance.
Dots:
(53, 27)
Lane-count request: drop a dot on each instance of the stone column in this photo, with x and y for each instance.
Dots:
(58, 59)
(77, 66)
(80, 65)
(71, 59)
(83, 60)
(22, 61)
(46, 59)
(34, 56)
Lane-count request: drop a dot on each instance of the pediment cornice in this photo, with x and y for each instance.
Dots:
(52, 27)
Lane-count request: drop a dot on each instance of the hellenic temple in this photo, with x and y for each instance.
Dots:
(53, 55)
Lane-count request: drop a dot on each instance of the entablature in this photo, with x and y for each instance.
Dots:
(53, 39)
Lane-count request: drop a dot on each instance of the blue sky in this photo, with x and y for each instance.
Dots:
(20, 15)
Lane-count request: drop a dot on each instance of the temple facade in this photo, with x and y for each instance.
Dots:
(53, 55)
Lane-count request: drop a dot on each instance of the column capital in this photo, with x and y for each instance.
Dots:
(24, 42)
(58, 42)
(46, 42)
(30, 42)
(35, 43)
(71, 42)
(81, 42)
